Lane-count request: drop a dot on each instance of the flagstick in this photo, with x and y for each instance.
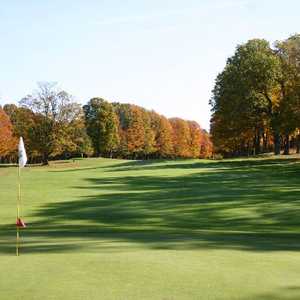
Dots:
(21, 164)
(17, 247)
(18, 209)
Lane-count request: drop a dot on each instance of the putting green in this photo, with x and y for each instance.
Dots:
(185, 229)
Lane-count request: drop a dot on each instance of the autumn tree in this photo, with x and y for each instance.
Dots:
(54, 126)
(181, 137)
(196, 136)
(7, 140)
(163, 135)
(23, 121)
(136, 134)
(21, 118)
(123, 113)
(54, 109)
(206, 146)
(149, 147)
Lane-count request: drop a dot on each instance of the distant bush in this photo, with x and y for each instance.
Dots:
(217, 156)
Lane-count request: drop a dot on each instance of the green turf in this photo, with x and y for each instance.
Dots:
(186, 229)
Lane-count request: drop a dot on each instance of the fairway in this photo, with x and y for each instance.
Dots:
(181, 229)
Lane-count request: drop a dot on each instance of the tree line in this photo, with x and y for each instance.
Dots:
(55, 126)
(256, 99)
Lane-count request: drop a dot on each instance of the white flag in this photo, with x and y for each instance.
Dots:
(22, 154)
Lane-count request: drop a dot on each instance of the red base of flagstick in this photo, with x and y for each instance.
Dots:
(20, 223)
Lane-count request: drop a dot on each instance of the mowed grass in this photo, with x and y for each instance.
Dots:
(186, 229)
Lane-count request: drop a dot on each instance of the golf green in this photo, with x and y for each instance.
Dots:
(183, 229)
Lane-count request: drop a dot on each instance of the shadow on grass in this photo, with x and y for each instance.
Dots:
(288, 293)
(252, 205)
(8, 165)
(187, 164)
(207, 164)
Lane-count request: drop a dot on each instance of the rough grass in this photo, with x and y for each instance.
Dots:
(186, 229)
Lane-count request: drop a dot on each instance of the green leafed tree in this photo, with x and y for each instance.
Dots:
(289, 107)
(246, 99)
(102, 126)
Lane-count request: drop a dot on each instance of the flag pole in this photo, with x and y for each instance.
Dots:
(22, 162)
(18, 210)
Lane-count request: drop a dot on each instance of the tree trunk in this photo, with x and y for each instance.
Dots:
(254, 146)
(276, 143)
(257, 144)
(45, 160)
(298, 143)
(97, 150)
(286, 145)
(265, 142)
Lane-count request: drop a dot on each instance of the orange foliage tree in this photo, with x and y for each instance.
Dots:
(164, 138)
(135, 132)
(7, 141)
(181, 137)
(127, 130)
(196, 136)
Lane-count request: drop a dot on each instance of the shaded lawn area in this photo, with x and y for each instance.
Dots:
(247, 210)
(244, 204)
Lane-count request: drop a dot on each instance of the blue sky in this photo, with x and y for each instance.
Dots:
(163, 55)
